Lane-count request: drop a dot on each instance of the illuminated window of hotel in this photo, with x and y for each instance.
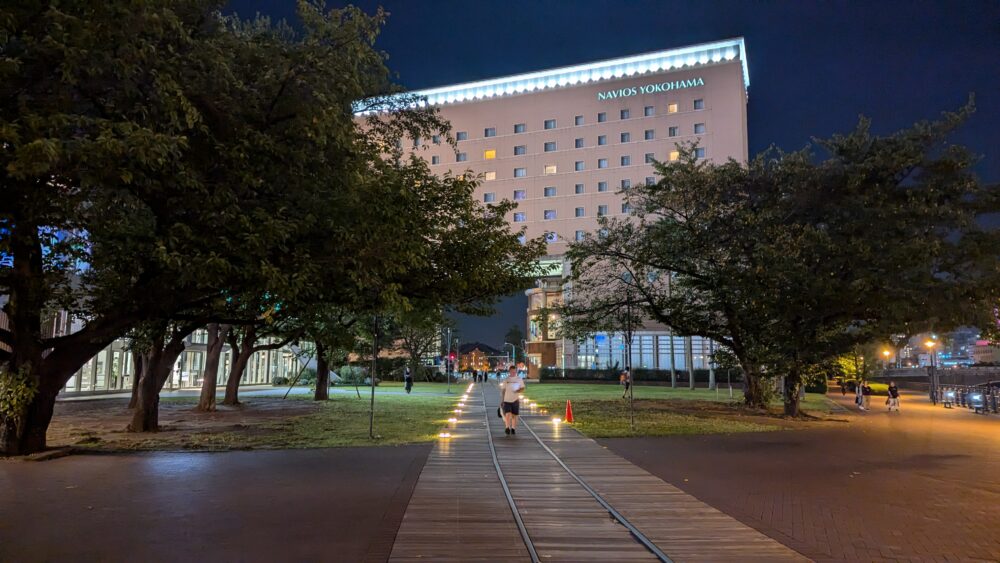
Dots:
(602, 117)
(461, 157)
(602, 210)
(519, 128)
(578, 189)
(671, 108)
(578, 165)
(549, 214)
(490, 132)
(578, 143)
(520, 172)
(672, 132)
(550, 169)
(519, 195)
(602, 140)
(579, 212)
(650, 157)
(519, 217)
(416, 142)
(550, 123)
(579, 235)
(578, 120)
(551, 237)
(436, 139)
(674, 155)
(699, 128)
(626, 137)
(626, 208)
(602, 186)
(435, 159)
(602, 163)
(649, 111)
(649, 135)
(520, 149)
(522, 239)
(549, 191)
(489, 197)
(625, 114)
(626, 160)
(491, 175)
(461, 136)
(626, 184)
(699, 152)
(699, 104)
(489, 154)
(650, 180)
(550, 146)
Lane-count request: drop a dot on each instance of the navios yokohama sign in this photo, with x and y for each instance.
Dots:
(650, 88)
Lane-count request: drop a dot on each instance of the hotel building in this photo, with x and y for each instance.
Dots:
(566, 143)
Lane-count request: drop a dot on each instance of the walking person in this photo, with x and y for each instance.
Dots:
(859, 394)
(893, 400)
(407, 379)
(626, 380)
(866, 396)
(512, 389)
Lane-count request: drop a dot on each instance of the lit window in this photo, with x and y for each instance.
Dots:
(435, 159)
(461, 157)
(603, 233)
(602, 140)
(549, 191)
(699, 104)
(578, 120)
(671, 108)
(672, 132)
(522, 239)
(650, 157)
(490, 132)
(519, 217)
(578, 165)
(489, 154)
(649, 111)
(602, 186)
(578, 212)
(519, 195)
(416, 142)
(650, 180)
(551, 237)
(602, 117)
(519, 128)
(550, 146)
(578, 189)
(550, 123)
(579, 235)
(649, 135)
(626, 208)
(699, 152)
(625, 114)
(549, 214)
(461, 136)
(489, 197)
(550, 169)
(674, 155)
(602, 163)
(436, 139)
(626, 137)
(626, 160)
(520, 149)
(602, 210)
(626, 184)
(578, 143)
(520, 172)
(491, 175)
(699, 128)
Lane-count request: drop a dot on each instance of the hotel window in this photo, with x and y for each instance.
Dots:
(519, 195)
(550, 169)
(602, 117)
(578, 120)
(578, 143)
(626, 160)
(578, 212)
(551, 237)
(650, 180)
(578, 189)
(550, 146)
(650, 157)
(602, 163)
(603, 233)
(521, 238)
(578, 165)
(520, 172)
(490, 132)
(489, 197)
(626, 137)
(519, 128)
(491, 175)
(674, 155)
(602, 140)
(519, 217)
(649, 111)
(520, 149)
(549, 214)
(671, 108)
(626, 208)
(602, 186)
(602, 210)
(699, 152)
(461, 157)
(626, 184)
(461, 136)
(649, 135)
(579, 235)
(549, 191)
(436, 139)
(699, 104)
(625, 114)
(672, 132)
(489, 154)
(699, 128)
(550, 123)
(435, 159)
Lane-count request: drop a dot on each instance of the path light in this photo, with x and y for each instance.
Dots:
(461, 404)
(458, 411)
(452, 419)
(444, 435)
(556, 420)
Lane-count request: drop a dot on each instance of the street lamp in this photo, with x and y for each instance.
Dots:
(886, 354)
(930, 347)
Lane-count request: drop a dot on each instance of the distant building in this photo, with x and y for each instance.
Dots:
(985, 353)
(477, 356)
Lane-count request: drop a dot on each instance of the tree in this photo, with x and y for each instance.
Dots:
(419, 332)
(515, 336)
(217, 336)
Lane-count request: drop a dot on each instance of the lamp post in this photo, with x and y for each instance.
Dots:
(934, 376)
(886, 354)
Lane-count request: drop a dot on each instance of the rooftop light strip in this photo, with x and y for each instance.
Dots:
(670, 59)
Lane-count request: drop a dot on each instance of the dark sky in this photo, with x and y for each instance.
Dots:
(814, 66)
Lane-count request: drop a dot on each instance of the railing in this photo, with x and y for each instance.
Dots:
(981, 399)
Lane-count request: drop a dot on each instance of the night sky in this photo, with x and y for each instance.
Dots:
(814, 67)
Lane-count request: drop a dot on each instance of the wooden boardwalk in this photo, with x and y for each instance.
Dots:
(459, 511)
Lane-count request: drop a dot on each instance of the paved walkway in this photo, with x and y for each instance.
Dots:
(459, 511)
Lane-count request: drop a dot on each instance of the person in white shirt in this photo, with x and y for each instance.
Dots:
(512, 390)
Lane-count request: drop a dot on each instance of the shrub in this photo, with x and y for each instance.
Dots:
(279, 381)
(308, 377)
(352, 375)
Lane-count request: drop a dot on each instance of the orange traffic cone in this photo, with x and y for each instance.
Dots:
(569, 412)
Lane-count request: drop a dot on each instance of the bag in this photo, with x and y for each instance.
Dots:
(500, 412)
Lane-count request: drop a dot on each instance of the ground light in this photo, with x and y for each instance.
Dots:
(452, 419)
(444, 435)
(458, 411)
(556, 420)
(461, 404)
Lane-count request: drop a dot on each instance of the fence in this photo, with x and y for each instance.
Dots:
(981, 399)
(638, 375)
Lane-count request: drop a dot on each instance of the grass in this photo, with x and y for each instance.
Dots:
(610, 419)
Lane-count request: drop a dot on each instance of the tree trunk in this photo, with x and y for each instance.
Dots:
(754, 393)
(146, 416)
(217, 335)
(322, 374)
(138, 365)
(25, 434)
(241, 357)
(790, 395)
